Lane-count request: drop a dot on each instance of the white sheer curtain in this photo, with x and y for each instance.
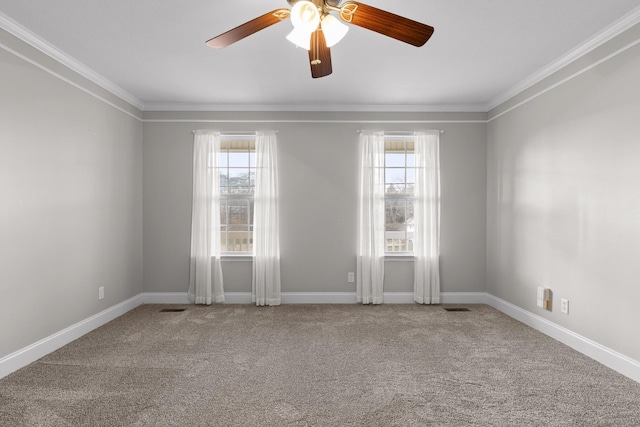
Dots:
(370, 255)
(266, 226)
(426, 214)
(205, 273)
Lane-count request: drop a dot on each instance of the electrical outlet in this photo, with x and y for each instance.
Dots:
(101, 292)
(540, 300)
(564, 306)
(351, 277)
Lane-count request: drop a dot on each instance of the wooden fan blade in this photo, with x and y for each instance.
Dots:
(319, 55)
(248, 28)
(386, 23)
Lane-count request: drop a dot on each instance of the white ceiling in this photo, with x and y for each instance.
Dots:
(154, 51)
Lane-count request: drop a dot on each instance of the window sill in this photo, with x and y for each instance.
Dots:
(404, 257)
(236, 257)
(400, 257)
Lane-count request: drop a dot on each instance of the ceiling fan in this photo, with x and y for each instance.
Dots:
(317, 30)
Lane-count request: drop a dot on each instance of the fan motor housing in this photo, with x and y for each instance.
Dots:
(319, 3)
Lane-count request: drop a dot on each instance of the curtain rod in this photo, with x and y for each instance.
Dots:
(407, 133)
(233, 133)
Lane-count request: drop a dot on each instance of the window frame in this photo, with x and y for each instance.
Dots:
(407, 196)
(227, 196)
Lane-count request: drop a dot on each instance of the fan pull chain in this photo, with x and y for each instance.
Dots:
(316, 48)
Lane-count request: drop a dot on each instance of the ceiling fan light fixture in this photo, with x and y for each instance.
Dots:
(333, 30)
(300, 38)
(305, 16)
(316, 31)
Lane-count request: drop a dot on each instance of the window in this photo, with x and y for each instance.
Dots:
(399, 184)
(237, 168)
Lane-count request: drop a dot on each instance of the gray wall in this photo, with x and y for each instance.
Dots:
(564, 197)
(545, 194)
(70, 199)
(318, 161)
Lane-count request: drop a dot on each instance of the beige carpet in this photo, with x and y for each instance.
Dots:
(317, 365)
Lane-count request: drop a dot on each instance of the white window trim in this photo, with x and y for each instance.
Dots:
(404, 255)
(236, 255)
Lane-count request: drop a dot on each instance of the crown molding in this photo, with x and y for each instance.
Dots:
(347, 121)
(563, 81)
(613, 30)
(17, 30)
(365, 108)
(22, 33)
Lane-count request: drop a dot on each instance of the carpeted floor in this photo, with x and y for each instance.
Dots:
(317, 365)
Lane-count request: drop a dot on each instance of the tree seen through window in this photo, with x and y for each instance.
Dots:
(399, 184)
(237, 182)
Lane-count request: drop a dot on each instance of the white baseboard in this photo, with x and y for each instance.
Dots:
(610, 358)
(35, 351)
(317, 298)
